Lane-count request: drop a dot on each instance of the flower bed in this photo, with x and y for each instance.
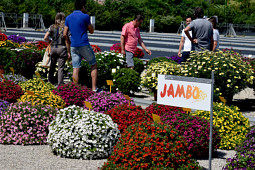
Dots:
(95, 48)
(73, 94)
(36, 84)
(82, 134)
(150, 145)
(127, 81)
(117, 49)
(10, 91)
(172, 59)
(232, 125)
(125, 115)
(16, 78)
(16, 39)
(194, 129)
(25, 124)
(104, 101)
(3, 105)
(43, 97)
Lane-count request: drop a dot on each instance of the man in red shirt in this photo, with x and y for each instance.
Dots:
(130, 36)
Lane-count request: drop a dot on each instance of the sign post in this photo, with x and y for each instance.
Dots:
(188, 92)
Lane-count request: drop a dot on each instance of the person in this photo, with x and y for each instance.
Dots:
(186, 43)
(130, 36)
(202, 31)
(58, 46)
(78, 23)
(216, 34)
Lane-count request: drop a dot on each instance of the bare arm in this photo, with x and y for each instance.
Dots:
(68, 42)
(212, 43)
(122, 44)
(180, 46)
(46, 37)
(143, 46)
(91, 29)
(186, 31)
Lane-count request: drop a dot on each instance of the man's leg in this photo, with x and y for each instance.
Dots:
(76, 61)
(130, 60)
(94, 76)
(76, 75)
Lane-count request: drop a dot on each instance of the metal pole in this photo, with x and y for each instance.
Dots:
(211, 125)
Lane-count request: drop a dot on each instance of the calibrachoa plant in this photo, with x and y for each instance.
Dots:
(73, 94)
(95, 48)
(127, 81)
(36, 84)
(150, 75)
(148, 145)
(26, 124)
(10, 91)
(16, 39)
(3, 37)
(104, 101)
(245, 156)
(117, 49)
(16, 78)
(3, 105)
(44, 97)
(231, 73)
(232, 125)
(82, 134)
(125, 115)
(41, 45)
(193, 128)
(138, 53)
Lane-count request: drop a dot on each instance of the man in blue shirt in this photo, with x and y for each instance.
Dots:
(78, 23)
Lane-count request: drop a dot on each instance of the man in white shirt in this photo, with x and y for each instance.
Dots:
(186, 43)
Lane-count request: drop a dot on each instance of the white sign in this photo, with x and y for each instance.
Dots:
(184, 92)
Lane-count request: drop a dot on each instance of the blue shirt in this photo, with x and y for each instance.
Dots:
(78, 22)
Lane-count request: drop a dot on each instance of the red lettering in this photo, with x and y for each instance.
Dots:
(162, 94)
(188, 92)
(196, 93)
(170, 90)
(180, 91)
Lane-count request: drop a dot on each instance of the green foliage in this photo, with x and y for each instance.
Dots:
(139, 66)
(127, 80)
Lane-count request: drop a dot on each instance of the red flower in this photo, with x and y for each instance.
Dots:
(95, 48)
(3, 37)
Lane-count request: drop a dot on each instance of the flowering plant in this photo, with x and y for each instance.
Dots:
(231, 73)
(138, 53)
(43, 97)
(117, 49)
(10, 91)
(25, 124)
(3, 37)
(127, 81)
(9, 44)
(16, 78)
(172, 59)
(193, 128)
(139, 65)
(41, 45)
(95, 48)
(125, 115)
(150, 75)
(73, 94)
(3, 105)
(232, 125)
(148, 145)
(36, 84)
(104, 101)
(16, 39)
(82, 134)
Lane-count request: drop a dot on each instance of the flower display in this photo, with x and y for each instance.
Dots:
(148, 145)
(127, 81)
(172, 59)
(104, 101)
(194, 129)
(95, 48)
(25, 124)
(150, 75)
(82, 134)
(117, 49)
(16, 39)
(245, 156)
(232, 125)
(10, 91)
(231, 73)
(3, 37)
(3, 105)
(138, 53)
(16, 78)
(36, 84)
(42, 45)
(73, 94)
(139, 65)
(43, 96)
(125, 115)
(9, 43)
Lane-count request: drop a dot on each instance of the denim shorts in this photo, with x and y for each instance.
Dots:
(85, 52)
(130, 59)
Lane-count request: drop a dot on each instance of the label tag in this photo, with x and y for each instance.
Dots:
(12, 70)
(223, 99)
(186, 110)
(114, 70)
(128, 98)
(30, 93)
(156, 118)
(43, 82)
(109, 82)
(88, 105)
(38, 74)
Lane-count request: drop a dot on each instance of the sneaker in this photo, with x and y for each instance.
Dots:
(97, 90)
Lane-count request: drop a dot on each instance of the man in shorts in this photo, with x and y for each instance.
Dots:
(130, 36)
(78, 23)
(186, 43)
(202, 32)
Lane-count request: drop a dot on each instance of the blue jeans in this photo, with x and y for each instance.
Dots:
(82, 52)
